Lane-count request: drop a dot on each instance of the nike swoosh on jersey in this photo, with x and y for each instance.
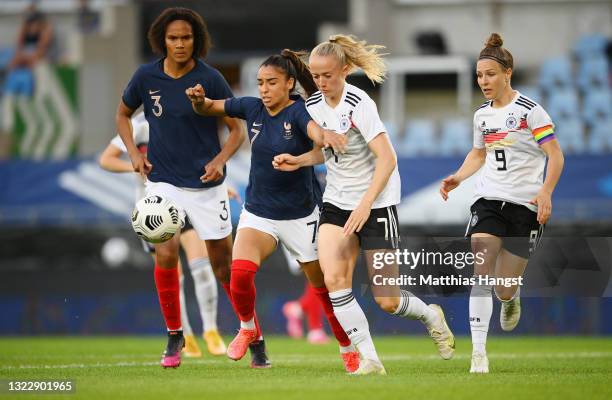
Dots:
(154, 91)
(256, 124)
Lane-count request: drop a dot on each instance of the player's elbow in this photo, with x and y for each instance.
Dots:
(393, 160)
(389, 160)
(241, 133)
(479, 155)
(103, 162)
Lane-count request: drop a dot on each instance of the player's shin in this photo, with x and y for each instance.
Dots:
(481, 307)
(206, 291)
(167, 284)
(355, 324)
(242, 285)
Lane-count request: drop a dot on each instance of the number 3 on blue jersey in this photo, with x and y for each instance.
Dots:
(157, 107)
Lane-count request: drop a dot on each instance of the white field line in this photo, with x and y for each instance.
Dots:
(299, 358)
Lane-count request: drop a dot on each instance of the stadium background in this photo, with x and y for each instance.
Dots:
(59, 212)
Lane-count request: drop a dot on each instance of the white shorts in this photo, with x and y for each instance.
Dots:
(208, 209)
(298, 235)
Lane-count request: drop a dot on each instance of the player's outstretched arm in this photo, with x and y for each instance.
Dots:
(140, 163)
(287, 162)
(472, 163)
(554, 167)
(325, 138)
(110, 160)
(203, 105)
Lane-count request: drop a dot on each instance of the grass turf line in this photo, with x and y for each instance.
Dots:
(127, 367)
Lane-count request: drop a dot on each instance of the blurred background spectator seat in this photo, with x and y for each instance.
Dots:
(418, 138)
(456, 137)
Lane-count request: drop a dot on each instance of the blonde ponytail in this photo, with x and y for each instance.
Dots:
(356, 54)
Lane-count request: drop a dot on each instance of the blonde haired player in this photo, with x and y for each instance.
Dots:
(195, 250)
(513, 136)
(363, 189)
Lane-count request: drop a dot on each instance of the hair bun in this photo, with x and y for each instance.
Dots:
(494, 40)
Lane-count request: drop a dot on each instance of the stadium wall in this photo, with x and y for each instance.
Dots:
(466, 24)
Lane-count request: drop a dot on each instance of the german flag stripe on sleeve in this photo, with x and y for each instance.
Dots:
(543, 134)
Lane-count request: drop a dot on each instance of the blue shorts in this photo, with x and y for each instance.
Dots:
(20, 81)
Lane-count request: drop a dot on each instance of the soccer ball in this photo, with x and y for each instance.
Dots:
(155, 219)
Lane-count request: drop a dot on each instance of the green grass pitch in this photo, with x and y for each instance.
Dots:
(127, 367)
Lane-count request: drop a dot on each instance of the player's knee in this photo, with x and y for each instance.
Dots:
(336, 282)
(165, 258)
(222, 273)
(387, 304)
(504, 293)
(221, 266)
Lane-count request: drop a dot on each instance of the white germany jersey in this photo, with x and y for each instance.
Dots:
(349, 175)
(512, 135)
(140, 132)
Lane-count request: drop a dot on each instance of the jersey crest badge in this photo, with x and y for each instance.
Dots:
(288, 133)
(345, 123)
(511, 122)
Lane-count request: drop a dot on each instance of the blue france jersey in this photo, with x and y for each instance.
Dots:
(270, 193)
(181, 142)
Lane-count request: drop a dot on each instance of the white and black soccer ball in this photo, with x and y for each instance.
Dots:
(155, 219)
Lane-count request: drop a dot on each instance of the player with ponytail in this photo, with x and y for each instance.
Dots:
(514, 143)
(279, 206)
(362, 191)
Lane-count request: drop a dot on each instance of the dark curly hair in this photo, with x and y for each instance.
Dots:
(157, 31)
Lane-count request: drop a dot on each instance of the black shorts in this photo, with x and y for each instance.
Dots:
(381, 230)
(517, 225)
(187, 225)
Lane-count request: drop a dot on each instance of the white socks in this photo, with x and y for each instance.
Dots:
(354, 322)
(206, 291)
(412, 307)
(481, 308)
(187, 331)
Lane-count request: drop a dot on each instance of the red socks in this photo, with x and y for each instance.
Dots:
(167, 284)
(312, 308)
(226, 287)
(339, 333)
(242, 285)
